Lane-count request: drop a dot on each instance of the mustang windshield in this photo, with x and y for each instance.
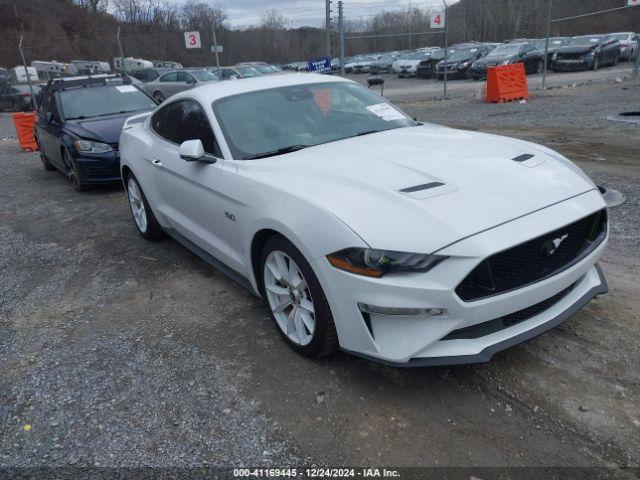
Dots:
(97, 101)
(271, 122)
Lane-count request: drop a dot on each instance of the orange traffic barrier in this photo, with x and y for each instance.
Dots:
(24, 123)
(507, 83)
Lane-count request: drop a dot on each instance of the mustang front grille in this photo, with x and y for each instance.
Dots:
(535, 259)
(495, 325)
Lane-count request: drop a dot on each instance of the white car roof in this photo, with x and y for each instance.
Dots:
(211, 92)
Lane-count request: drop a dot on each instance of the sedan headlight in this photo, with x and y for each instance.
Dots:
(506, 62)
(88, 146)
(376, 263)
(554, 56)
(464, 65)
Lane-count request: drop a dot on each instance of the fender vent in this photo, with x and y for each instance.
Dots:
(419, 188)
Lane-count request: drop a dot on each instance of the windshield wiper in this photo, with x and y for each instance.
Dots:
(279, 151)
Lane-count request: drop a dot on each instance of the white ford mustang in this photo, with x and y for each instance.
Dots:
(362, 229)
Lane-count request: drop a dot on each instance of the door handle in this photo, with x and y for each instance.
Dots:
(156, 162)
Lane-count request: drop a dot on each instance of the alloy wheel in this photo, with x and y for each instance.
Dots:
(137, 205)
(289, 298)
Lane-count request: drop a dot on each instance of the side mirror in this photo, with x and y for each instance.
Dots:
(193, 151)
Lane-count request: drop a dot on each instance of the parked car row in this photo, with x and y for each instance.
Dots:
(471, 59)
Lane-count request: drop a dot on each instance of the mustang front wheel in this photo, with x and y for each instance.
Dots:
(296, 301)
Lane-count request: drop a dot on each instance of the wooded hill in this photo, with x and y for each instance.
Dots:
(86, 29)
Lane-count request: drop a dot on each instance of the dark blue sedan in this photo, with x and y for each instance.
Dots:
(79, 124)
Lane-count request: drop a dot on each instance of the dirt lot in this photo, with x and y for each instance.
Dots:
(119, 352)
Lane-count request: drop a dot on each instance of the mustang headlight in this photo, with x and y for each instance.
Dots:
(87, 146)
(376, 263)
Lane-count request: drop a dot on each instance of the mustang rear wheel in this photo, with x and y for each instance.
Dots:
(296, 301)
(143, 217)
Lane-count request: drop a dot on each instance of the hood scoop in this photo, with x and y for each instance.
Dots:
(528, 160)
(428, 190)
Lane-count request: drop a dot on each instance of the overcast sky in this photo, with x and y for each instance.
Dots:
(245, 12)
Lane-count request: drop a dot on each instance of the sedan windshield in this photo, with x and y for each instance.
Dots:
(585, 41)
(620, 36)
(281, 120)
(463, 54)
(105, 100)
(508, 49)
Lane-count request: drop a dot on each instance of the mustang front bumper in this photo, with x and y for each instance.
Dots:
(421, 339)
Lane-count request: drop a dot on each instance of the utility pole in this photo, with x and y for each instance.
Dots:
(26, 70)
(123, 66)
(328, 28)
(341, 35)
(546, 46)
(215, 48)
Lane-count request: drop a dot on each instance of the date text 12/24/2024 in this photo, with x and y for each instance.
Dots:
(315, 473)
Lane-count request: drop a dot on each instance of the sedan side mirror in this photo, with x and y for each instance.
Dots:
(193, 151)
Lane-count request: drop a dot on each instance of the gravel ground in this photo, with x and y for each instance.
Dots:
(118, 352)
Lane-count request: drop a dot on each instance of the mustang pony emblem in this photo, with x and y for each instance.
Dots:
(550, 246)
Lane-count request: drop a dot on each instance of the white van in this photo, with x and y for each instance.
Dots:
(19, 74)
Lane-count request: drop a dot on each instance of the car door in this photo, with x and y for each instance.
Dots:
(49, 130)
(185, 81)
(169, 84)
(195, 198)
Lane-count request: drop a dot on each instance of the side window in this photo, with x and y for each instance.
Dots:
(157, 121)
(227, 73)
(170, 77)
(186, 120)
(185, 77)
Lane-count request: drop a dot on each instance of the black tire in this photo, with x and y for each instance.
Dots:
(325, 338)
(159, 97)
(43, 158)
(74, 173)
(616, 59)
(154, 230)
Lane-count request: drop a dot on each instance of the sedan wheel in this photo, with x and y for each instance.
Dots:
(596, 64)
(540, 67)
(296, 300)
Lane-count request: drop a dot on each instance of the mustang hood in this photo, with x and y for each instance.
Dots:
(102, 129)
(422, 188)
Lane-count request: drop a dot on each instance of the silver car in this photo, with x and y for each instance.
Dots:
(177, 81)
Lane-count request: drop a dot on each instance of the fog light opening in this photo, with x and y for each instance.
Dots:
(401, 312)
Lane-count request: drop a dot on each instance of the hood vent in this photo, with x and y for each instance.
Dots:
(528, 160)
(419, 188)
(523, 158)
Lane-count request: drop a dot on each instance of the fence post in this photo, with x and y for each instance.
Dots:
(26, 71)
(328, 28)
(446, 47)
(123, 66)
(636, 67)
(546, 46)
(341, 35)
